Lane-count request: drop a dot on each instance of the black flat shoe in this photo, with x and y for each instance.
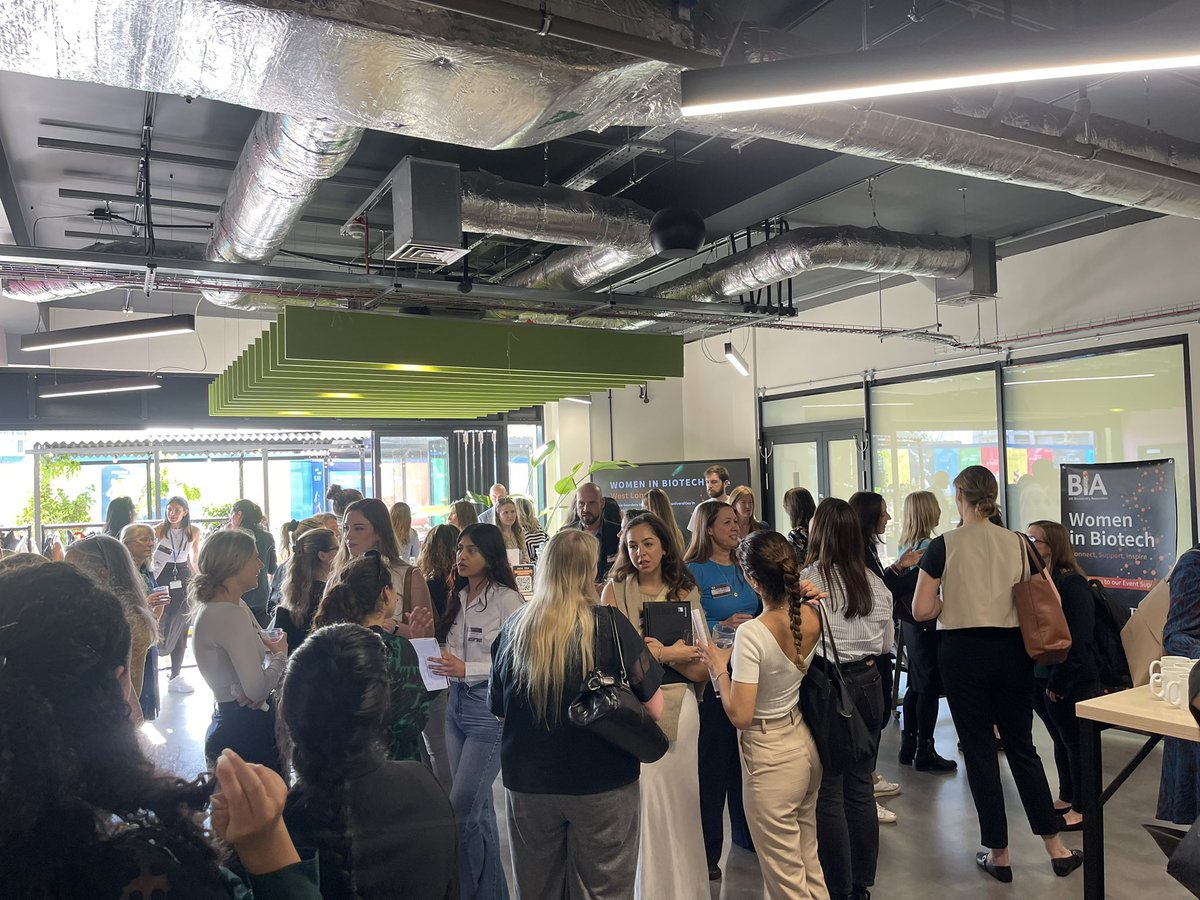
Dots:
(714, 873)
(1068, 864)
(1064, 825)
(1000, 873)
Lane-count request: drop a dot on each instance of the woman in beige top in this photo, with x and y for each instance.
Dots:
(986, 672)
(671, 859)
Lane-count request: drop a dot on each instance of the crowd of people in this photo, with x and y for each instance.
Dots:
(310, 654)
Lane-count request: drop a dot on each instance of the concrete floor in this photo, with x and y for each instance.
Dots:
(928, 853)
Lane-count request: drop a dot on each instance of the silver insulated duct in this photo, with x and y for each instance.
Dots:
(283, 162)
(805, 249)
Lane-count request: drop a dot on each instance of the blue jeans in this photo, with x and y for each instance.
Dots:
(473, 745)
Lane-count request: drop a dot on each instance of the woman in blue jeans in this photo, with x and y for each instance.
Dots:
(487, 596)
(859, 613)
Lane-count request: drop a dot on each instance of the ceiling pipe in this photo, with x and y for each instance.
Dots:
(805, 249)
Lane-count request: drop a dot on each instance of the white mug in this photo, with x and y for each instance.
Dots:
(1170, 691)
(1170, 662)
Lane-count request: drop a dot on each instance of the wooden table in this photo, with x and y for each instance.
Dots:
(1134, 710)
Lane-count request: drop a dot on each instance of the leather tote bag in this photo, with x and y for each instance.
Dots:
(837, 727)
(608, 709)
(1039, 610)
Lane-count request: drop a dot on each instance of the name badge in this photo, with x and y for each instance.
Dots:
(175, 585)
(475, 636)
(721, 590)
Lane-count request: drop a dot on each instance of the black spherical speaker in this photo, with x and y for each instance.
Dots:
(676, 233)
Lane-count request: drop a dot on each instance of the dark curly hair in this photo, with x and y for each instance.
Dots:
(72, 763)
(675, 574)
(336, 699)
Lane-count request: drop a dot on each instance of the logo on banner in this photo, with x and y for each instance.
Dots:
(1078, 485)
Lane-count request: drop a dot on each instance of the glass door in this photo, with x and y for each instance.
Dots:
(416, 469)
(830, 461)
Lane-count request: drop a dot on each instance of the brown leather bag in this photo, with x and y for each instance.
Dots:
(1039, 610)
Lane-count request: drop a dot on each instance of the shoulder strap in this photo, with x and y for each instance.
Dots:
(612, 621)
(406, 600)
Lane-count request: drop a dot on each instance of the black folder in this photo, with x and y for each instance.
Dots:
(667, 622)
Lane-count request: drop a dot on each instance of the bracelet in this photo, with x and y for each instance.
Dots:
(727, 675)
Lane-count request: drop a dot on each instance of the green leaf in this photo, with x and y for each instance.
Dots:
(566, 484)
(543, 453)
(601, 465)
(483, 499)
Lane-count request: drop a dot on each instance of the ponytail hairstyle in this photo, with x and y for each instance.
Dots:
(979, 490)
(769, 558)
(358, 595)
(297, 587)
(836, 547)
(72, 762)
(336, 699)
(222, 556)
(292, 529)
(107, 562)
(252, 514)
(496, 569)
(120, 513)
(339, 498)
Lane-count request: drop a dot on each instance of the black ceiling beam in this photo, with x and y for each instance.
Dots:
(11, 203)
(106, 196)
(182, 159)
(799, 13)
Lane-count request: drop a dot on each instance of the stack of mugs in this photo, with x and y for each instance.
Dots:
(1169, 679)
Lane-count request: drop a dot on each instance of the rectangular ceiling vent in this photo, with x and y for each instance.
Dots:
(427, 212)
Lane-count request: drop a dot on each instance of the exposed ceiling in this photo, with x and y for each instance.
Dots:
(69, 147)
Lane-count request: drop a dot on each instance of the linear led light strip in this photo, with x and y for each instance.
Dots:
(108, 332)
(1083, 53)
(102, 386)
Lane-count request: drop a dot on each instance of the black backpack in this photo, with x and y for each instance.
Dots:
(1110, 652)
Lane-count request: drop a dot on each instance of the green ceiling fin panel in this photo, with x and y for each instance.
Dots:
(371, 365)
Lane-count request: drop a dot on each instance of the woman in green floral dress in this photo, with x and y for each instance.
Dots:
(366, 597)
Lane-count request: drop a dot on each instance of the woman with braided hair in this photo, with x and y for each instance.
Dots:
(781, 770)
(381, 828)
(859, 613)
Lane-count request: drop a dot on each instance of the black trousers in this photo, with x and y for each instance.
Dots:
(924, 686)
(1063, 725)
(720, 770)
(847, 823)
(250, 733)
(989, 681)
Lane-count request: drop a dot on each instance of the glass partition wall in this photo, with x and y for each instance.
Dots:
(1021, 421)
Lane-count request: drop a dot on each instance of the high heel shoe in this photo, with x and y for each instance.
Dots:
(1000, 873)
(1067, 864)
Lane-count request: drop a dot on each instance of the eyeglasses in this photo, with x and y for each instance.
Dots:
(1033, 540)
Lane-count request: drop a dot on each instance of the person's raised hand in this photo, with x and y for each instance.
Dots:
(248, 813)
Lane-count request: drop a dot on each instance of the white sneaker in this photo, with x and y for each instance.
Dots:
(885, 788)
(178, 685)
(885, 815)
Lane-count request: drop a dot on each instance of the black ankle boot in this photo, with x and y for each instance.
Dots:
(860, 893)
(928, 760)
(908, 747)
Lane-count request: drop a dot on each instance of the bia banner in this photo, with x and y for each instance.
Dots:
(1122, 520)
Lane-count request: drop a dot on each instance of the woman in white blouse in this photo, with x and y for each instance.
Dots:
(241, 665)
(781, 770)
(859, 612)
(487, 596)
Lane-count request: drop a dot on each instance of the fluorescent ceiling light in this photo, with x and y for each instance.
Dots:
(584, 400)
(736, 360)
(128, 330)
(102, 386)
(1080, 378)
(1079, 54)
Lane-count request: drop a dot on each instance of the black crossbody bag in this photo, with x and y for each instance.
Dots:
(837, 727)
(607, 708)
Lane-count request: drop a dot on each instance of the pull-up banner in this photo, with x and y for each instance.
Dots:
(1123, 521)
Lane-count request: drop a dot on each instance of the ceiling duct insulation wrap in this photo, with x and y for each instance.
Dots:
(282, 164)
(42, 290)
(396, 66)
(552, 214)
(805, 249)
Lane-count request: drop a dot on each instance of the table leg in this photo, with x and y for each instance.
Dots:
(1091, 764)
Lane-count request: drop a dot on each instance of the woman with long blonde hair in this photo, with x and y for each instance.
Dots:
(571, 797)
(406, 536)
(741, 498)
(921, 515)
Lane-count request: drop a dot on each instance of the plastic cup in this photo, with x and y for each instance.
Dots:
(271, 634)
(723, 636)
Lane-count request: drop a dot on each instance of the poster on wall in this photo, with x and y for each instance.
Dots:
(1122, 520)
(683, 482)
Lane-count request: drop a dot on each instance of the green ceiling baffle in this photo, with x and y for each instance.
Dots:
(328, 363)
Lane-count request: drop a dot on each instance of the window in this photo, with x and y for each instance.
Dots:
(1111, 407)
(834, 406)
(417, 471)
(523, 443)
(923, 433)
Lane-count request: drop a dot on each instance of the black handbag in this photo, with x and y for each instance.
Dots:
(837, 727)
(607, 708)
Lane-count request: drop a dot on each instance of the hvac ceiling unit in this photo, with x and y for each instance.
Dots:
(427, 213)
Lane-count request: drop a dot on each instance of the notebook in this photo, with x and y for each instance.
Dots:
(667, 622)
